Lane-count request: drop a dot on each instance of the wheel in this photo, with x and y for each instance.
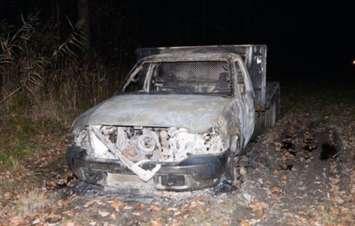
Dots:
(271, 114)
(233, 170)
(81, 171)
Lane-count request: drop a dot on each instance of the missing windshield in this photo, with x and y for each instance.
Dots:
(198, 77)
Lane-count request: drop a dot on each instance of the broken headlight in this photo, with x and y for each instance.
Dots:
(81, 138)
(157, 144)
(182, 143)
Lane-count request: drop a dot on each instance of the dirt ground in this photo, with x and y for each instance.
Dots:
(298, 173)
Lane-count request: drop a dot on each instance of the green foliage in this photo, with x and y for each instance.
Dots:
(20, 137)
(16, 142)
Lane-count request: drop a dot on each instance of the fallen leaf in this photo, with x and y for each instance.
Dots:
(103, 213)
(154, 208)
(244, 223)
(36, 221)
(258, 208)
(156, 222)
(116, 205)
(275, 190)
(16, 221)
(89, 203)
(113, 216)
(53, 218)
(242, 171)
(69, 223)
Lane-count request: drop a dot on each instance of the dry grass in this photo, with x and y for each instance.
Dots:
(31, 202)
(46, 78)
(45, 82)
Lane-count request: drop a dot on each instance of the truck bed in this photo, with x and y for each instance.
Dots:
(266, 117)
(272, 92)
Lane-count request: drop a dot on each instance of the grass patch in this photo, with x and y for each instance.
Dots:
(14, 148)
(32, 202)
(21, 138)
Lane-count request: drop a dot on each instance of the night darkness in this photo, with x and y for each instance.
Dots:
(306, 39)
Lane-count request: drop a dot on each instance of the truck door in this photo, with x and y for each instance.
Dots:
(246, 92)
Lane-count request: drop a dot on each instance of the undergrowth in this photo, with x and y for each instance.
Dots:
(21, 138)
(45, 82)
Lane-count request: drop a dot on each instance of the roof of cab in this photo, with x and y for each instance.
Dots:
(190, 56)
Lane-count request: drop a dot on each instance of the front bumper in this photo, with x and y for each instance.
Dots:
(195, 173)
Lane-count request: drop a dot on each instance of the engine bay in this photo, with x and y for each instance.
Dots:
(154, 144)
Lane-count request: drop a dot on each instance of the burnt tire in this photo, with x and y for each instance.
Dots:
(272, 114)
(232, 171)
(83, 172)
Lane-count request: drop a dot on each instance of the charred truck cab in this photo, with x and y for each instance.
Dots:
(182, 116)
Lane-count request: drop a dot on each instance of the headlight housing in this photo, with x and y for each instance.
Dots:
(81, 138)
(183, 143)
(157, 144)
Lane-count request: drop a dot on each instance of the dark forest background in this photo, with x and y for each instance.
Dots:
(60, 57)
(303, 36)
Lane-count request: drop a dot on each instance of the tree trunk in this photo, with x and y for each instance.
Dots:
(83, 22)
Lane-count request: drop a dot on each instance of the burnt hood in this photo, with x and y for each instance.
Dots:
(194, 112)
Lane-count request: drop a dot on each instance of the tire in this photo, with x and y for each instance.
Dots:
(232, 164)
(83, 173)
(272, 114)
(233, 171)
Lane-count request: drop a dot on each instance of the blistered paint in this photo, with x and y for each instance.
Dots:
(194, 112)
(187, 119)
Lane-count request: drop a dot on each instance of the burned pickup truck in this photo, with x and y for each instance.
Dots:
(181, 117)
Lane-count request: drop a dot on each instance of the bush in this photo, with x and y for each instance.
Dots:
(45, 78)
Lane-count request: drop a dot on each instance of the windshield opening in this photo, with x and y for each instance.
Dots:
(136, 82)
(193, 77)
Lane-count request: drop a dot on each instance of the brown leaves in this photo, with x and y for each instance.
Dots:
(244, 223)
(17, 221)
(154, 208)
(116, 205)
(259, 208)
(59, 182)
(156, 222)
(69, 223)
(53, 218)
(276, 190)
(90, 203)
